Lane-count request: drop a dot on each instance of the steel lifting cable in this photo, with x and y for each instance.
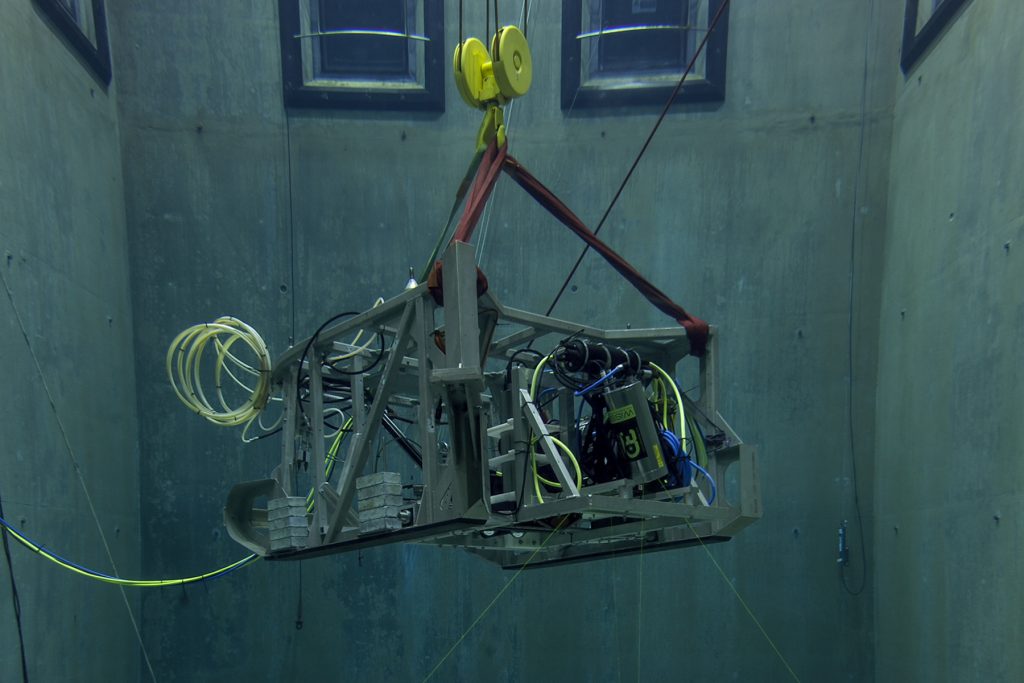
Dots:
(643, 149)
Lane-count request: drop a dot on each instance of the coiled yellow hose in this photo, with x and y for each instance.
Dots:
(184, 368)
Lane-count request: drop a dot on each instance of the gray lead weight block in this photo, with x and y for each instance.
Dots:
(289, 522)
(288, 532)
(284, 513)
(378, 478)
(379, 490)
(378, 513)
(379, 501)
(285, 502)
(285, 544)
(374, 525)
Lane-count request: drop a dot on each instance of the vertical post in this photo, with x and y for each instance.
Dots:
(286, 474)
(708, 400)
(425, 412)
(362, 440)
(461, 319)
(316, 399)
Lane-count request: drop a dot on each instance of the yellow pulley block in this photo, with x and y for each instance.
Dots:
(512, 65)
(485, 78)
(474, 75)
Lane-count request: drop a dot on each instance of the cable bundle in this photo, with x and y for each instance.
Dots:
(184, 367)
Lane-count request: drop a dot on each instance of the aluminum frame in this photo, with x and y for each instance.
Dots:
(454, 503)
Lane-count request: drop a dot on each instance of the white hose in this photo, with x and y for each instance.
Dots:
(184, 360)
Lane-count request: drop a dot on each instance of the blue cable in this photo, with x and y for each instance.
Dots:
(549, 390)
(5, 523)
(676, 444)
(93, 572)
(579, 437)
(714, 489)
(600, 381)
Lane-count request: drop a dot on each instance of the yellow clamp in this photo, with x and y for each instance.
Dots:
(489, 79)
(493, 126)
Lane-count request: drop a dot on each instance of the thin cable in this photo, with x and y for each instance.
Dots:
(291, 222)
(298, 609)
(15, 600)
(77, 468)
(743, 603)
(739, 597)
(489, 208)
(640, 600)
(508, 584)
(849, 329)
(643, 149)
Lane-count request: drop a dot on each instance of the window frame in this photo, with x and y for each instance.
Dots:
(917, 43)
(710, 88)
(299, 93)
(95, 56)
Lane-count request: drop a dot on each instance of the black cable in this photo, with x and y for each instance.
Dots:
(497, 24)
(305, 350)
(522, 489)
(512, 359)
(849, 345)
(298, 609)
(15, 598)
(371, 366)
(643, 149)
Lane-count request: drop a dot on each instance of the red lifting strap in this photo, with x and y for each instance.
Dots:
(486, 176)
(497, 159)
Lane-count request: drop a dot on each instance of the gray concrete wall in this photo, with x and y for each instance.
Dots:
(64, 256)
(949, 439)
(745, 212)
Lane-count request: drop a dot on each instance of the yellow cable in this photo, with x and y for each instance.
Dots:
(127, 582)
(332, 457)
(554, 484)
(679, 401)
(536, 376)
(355, 340)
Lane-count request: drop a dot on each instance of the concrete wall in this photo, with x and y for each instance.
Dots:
(63, 251)
(743, 212)
(949, 440)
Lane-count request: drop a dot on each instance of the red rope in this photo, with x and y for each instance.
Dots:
(497, 159)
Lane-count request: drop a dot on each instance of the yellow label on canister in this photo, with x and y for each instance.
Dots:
(626, 412)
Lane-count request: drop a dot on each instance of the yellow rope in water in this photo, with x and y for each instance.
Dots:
(743, 602)
(491, 604)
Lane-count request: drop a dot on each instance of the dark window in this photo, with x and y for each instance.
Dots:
(633, 52)
(359, 56)
(924, 21)
(385, 54)
(653, 46)
(83, 26)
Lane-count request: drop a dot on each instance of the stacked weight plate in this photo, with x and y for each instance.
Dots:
(379, 496)
(287, 520)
